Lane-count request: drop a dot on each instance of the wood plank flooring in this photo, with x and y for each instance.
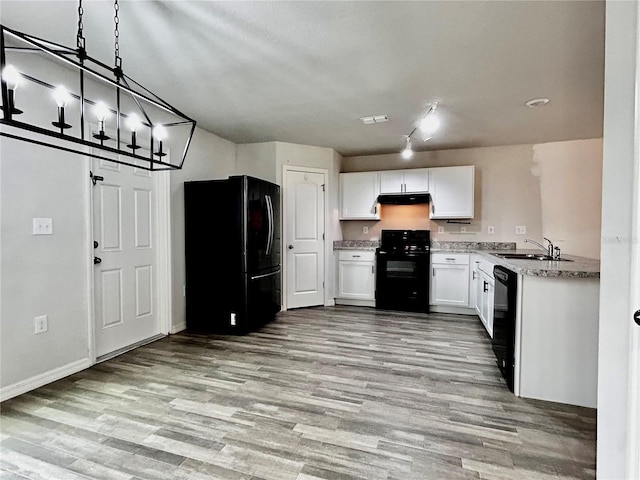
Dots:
(339, 393)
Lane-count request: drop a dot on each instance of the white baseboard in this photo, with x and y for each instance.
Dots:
(32, 383)
(178, 328)
(355, 302)
(449, 309)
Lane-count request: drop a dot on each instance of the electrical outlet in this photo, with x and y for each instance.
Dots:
(440, 229)
(491, 229)
(233, 319)
(521, 230)
(43, 226)
(365, 230)
(463, 229)
(41, 324)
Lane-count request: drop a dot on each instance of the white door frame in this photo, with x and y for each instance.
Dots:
(283, 221)
(633, 468)
(162, 187)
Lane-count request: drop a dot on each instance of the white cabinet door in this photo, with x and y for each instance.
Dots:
(473, 280)
(392, 182)
(450, 279)
(451, 190)
(416, 180)
(359, 196)
(484, 305)
(356, 280)
(404, 181)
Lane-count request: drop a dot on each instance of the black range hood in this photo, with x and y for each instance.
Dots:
(403, 199)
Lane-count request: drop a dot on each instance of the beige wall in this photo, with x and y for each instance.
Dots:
(210, 157)
(552, 189)
(571, 194)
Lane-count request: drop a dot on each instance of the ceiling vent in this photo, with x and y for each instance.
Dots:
(375, 119)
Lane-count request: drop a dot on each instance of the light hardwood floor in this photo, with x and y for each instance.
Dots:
(334, 393)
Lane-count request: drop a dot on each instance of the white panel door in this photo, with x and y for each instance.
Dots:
(124, 279)
(304, 240)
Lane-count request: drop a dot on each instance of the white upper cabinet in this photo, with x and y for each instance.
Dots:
(359, 196)
(404, 181)
(451, 190)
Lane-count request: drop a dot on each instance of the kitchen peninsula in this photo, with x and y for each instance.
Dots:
(556, 329)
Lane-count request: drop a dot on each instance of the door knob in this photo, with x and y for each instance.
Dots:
(97, 260)
(290, 247)
(636, 317)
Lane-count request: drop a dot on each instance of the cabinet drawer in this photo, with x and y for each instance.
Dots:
(450, 258)
(357, 255)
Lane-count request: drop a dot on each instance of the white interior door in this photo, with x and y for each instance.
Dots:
(124, 227)
(304, 238)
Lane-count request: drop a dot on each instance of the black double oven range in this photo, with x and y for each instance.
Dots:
(403, 270)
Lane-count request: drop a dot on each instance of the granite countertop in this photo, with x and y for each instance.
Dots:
(356, 245)
(579, 267)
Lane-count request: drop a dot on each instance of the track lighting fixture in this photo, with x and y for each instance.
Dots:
(100, 122)
(428, 125)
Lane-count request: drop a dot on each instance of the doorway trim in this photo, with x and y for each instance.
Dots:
(328, 254)
(162, 187)
(633, 467)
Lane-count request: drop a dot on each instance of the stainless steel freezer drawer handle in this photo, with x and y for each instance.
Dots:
(265, 275)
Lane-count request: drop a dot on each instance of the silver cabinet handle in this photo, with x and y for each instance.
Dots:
(372, 269)
(355, 256)
(449, 259)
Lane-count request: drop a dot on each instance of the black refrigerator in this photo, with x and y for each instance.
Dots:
(232, 247)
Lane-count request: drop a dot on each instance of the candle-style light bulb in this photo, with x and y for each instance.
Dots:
(11, 77)
(159, 133)
(134, 124)
(102, 112)
(62, 98)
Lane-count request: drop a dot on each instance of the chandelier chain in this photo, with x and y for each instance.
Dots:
(80, 37)
(116, 34)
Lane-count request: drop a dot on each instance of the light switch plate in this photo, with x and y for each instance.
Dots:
(521, 230)
(43, 226)
(365, 230)
(491, 229)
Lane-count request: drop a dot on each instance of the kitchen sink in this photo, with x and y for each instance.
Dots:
(530, 256)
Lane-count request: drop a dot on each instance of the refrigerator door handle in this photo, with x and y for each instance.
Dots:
(256, 277)
(270, 218)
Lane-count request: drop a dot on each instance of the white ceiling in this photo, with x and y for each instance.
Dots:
(305, 72)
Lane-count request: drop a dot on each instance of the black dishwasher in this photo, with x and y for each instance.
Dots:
(504, 321)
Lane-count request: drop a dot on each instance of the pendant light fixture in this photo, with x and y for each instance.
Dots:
(428, 125)
(91, 99)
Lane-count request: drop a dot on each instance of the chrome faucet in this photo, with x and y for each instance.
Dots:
(553, 252)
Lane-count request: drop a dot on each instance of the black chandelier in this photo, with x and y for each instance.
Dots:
(128, 130)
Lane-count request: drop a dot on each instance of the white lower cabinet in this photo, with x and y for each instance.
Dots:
(484, 288)
(356, 278)
(450, 279)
